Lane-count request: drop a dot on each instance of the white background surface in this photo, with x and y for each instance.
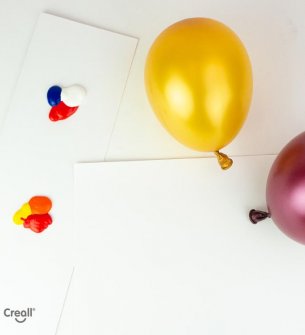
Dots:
(273, 32)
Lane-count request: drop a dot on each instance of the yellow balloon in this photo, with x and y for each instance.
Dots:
(198, 80)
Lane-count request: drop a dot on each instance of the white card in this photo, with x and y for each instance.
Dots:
(166, 247)
(37, 159)
(64, 53)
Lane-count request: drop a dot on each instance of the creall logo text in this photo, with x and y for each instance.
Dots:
(20, 316)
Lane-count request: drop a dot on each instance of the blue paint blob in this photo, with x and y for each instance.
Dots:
(54, 95)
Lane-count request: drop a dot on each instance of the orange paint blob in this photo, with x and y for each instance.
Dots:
(40, 205)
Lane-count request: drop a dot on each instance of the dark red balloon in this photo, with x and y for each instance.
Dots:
(285, 191)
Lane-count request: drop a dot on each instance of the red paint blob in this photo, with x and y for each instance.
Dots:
(37, 222)
(61, 112)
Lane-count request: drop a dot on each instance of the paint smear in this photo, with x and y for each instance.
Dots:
(34, 214)
(64, 101)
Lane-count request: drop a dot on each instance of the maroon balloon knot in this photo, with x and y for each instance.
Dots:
(257, 216)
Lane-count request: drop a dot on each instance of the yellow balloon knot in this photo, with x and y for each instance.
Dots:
(224, 161)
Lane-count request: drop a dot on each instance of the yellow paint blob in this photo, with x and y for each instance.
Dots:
(22, 213)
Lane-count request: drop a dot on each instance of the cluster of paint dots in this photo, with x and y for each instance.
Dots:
(35, 214)
(64, 101)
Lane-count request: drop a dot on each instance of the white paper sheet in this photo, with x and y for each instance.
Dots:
(37, 159)
(166, 247)
(64, 53)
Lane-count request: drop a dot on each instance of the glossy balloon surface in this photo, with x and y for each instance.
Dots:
(286, 189)
(198, 80)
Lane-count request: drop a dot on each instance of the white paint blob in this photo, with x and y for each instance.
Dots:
(72, 96)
